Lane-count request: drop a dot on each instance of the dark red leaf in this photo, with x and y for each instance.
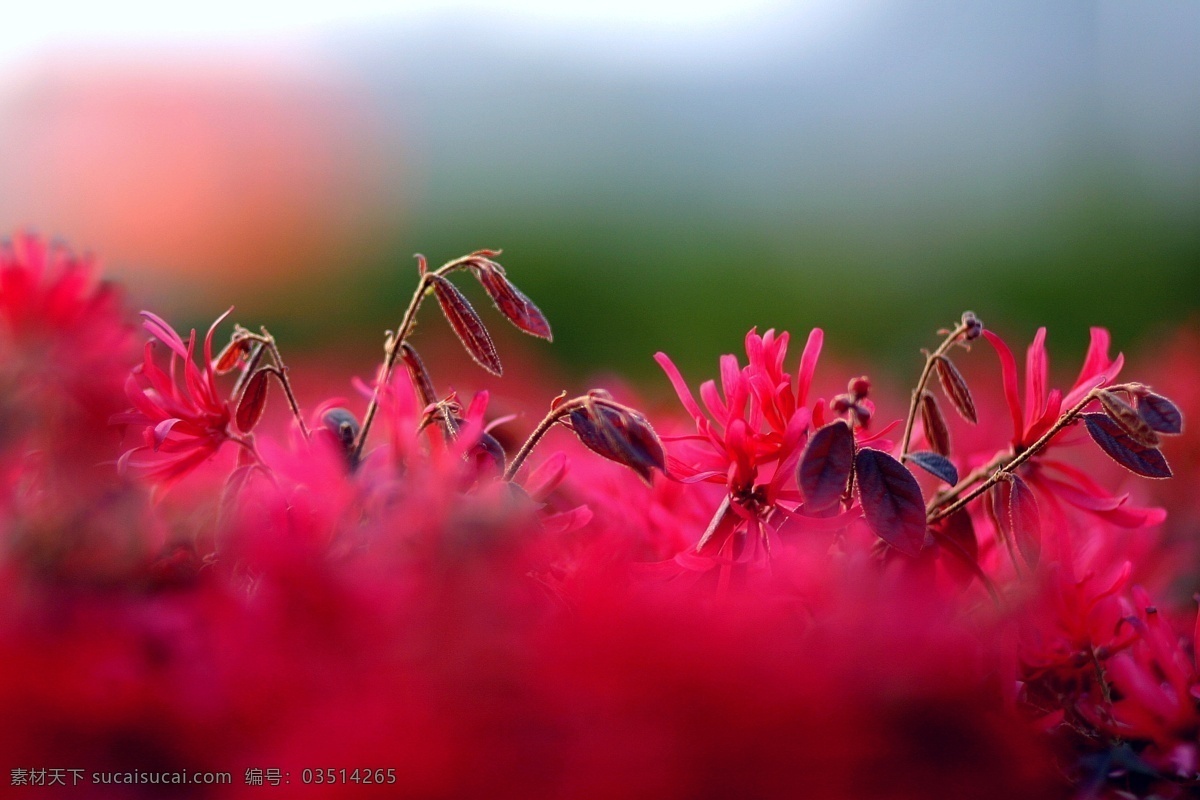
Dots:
(1159, 413)
(825, 466)
(466, 323)
(253, 401)
(1122, 448)
(418, 374)
(955, 534)
(621, 436)
(1123, 414)
(891, 500)
(956, 388)
(935, 464)
(511, 302)
(937, 433)
(1025, 521)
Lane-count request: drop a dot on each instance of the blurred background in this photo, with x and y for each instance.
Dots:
(661, 175)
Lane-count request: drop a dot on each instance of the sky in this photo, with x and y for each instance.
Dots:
(32, 27)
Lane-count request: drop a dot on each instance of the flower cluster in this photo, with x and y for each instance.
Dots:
(795, 590)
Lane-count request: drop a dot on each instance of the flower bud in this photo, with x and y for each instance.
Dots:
(973, 324)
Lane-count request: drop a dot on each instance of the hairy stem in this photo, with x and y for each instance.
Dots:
(282, 373)
(951, 340)
(265, 343)
(555, 415)
(1018, 459)
(395, 344)
(974, 476)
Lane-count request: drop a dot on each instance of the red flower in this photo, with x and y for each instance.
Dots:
(64, 341)
(1042, 407)
(1056, 481)
(184, 425)
(759, 423)
(751, 443)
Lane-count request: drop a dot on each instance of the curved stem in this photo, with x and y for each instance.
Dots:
(265, 343)
(973, 477)
(282, 374)
(1018, 459)
(395, 342)
(556, 414)
(392, 351)
(930, 360)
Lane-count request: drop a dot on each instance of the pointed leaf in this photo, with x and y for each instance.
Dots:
(825, 466)
(1121, 447)
(1160, 413)
(1130, 421)
(937, 433)
(935, 464)
(466, 323)
(955, 388)
(418, 373)
(1025, 520)
(254, 400)
(955, 534)
(510, 302)
(891, 501)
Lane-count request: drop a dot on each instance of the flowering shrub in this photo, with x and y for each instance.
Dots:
(784, 595)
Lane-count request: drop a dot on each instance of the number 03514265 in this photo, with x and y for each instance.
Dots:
(331, 775)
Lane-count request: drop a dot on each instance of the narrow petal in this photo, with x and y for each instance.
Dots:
(681, 387)
(1008, 366)
(163, 429)
(1036, 367)
(808, 365)
(159, 328)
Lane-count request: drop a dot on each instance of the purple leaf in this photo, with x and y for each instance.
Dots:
(466, 323)
(1025, 521)
(891, 501)
(1122, 448)
(825, 466)
(254, 400)
(1123, 414)
(1159, 413)
(937, 433)
(935, 464)
(955, 388)
(955, 534)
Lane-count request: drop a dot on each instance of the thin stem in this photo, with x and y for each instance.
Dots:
(973, 477)
(256, 357)
(282, 374)
(1019, 459)
(930, 360)
(265, 342)
(554, 416)
(394, 343)
(545, 425)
